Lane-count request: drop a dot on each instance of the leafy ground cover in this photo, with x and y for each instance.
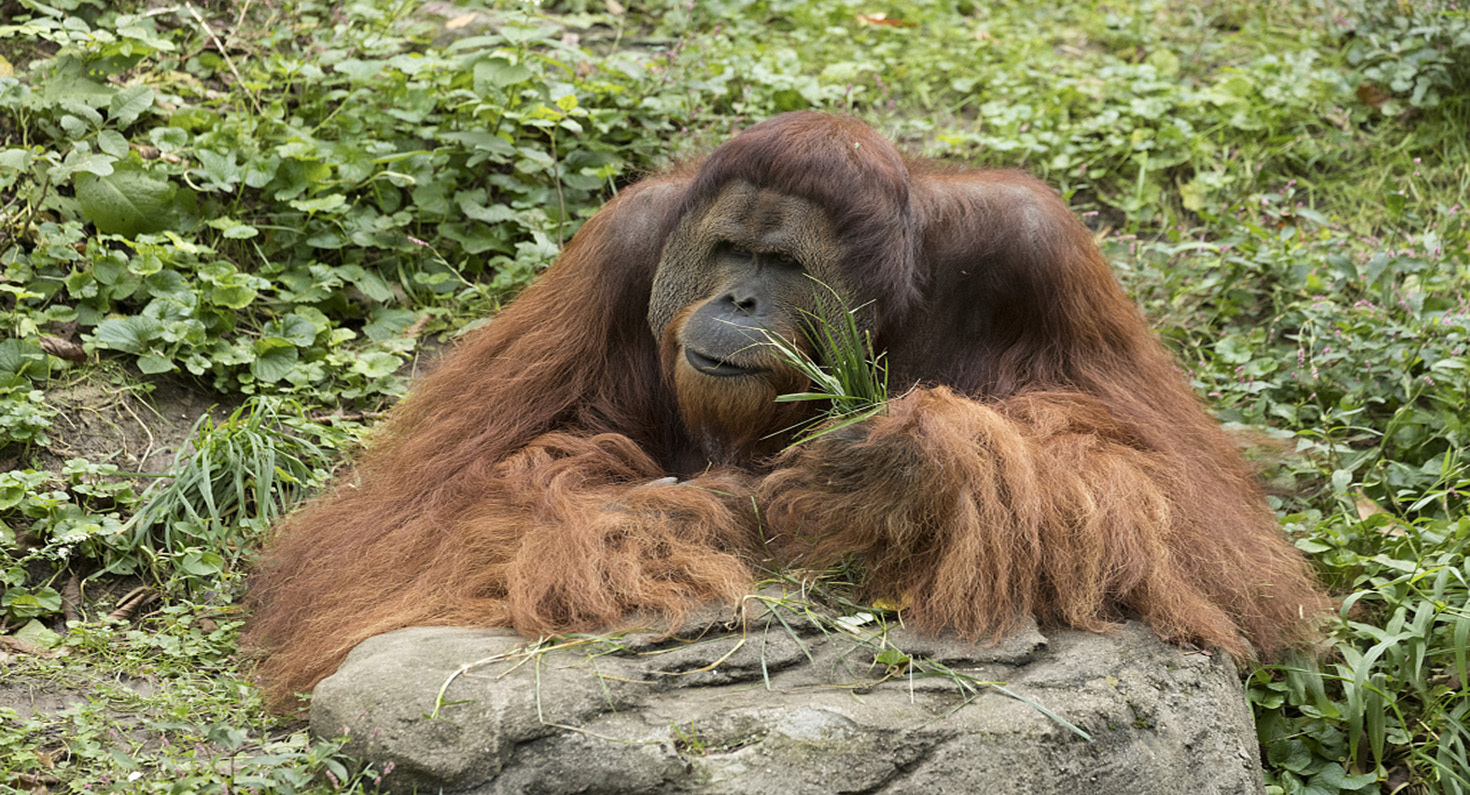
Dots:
(278, 206)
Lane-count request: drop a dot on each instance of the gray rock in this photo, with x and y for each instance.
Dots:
(785, 707)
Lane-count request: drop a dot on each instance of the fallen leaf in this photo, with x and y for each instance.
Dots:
(62, 349)
(460, 21)
(1366, 506)
(1371, 96)
(882, 19)
(891, 605)
(18, 646)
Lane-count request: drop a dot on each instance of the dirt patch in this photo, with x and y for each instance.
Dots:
(47, 697)
(137, 432)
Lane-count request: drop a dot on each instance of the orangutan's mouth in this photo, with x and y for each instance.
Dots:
(718, 368)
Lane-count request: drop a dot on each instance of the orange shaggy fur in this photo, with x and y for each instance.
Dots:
(1047, 460)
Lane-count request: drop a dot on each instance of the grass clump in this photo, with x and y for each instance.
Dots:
(236, 477)
(845, 371)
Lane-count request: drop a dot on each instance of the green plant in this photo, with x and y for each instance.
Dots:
(844, 371)
(1400, 651)
(239, 476)
(24, 415)
(1418, 53)
(167, 709)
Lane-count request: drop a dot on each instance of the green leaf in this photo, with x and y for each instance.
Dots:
(376, 365)
(168, 284)
(221, 169)
(1333, 775)
(499, 73)
(494, 214)
(23, 358)
(294, 329)
(112, 142)
(359, 71)
(326, 203)
(1394, 201)
(481, 140)
(1234, 349)
(127, 202)
(389, 323)
(202, 564)
(15, 158)
(169, 139)
(369, 282)
(153, 364)
(793, 397)
(892, 656)
(232, 296)
(1375, 267)
(129, 334)
(97, 163)
(234, 230)
(1291, 754)
(21, 603)
(127, 104)
(36, 634)
(1165, 62)
(275, 358)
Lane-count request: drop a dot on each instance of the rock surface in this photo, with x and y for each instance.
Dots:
(788, 707)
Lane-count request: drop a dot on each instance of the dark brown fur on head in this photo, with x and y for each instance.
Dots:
(1045, 459)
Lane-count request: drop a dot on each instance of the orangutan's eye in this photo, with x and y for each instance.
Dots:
(786, 259)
